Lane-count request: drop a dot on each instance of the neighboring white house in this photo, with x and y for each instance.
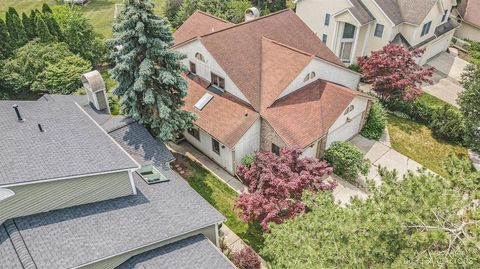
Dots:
(468, 14)
(354, 28)
(264, 84)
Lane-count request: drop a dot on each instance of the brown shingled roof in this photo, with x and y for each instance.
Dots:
(222, 117)
(200, 23)
(305, 115)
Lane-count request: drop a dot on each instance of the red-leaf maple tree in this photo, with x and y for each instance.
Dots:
(276, 183)
(393, 70)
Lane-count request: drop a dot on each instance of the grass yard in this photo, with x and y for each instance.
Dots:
(415, 141)
(100, 12)
(222, 197)
(434, 102)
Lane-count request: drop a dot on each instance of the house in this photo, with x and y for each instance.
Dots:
(470, 23)
(354, 28)
(263, 84)
(72, 194)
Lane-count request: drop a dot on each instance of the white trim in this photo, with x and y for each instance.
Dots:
(69, 177)
(111, 138)
(132, 183)
(353, 16)
(369, 32)
(354, 49)
(150, 244)
(334, 39)
(106, 100)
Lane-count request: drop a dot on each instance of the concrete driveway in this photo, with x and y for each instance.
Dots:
(446, 78)
(380, 154)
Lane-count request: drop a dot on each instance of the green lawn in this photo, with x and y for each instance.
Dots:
(222, 198)
(416, 141)
(434, 102)
(100, 12)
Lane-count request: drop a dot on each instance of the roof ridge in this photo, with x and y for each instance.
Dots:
(19, 245)
(288, 47)
(212, 16)
(250, 21)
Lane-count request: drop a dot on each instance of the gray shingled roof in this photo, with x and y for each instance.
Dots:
(8, 256)
(194, 252)
(360, 12)
(27, 155)
(74, 236)
(409, 11)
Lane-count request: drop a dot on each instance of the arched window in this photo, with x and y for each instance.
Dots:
(309, 76)
(312, 75)
(349, 109)
(199, 57)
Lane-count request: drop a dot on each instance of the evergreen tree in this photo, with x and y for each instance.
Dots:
(148, 71)
(29, 26)
(17, 33)
(53, 26)
(46, 9)
(5, 46)
(42, 30)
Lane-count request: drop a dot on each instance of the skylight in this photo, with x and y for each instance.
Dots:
(203, 101)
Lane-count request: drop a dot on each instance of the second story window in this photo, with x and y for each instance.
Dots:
(193, 68)
(426, 28)
(327, 19)
(445, 14)
(199, 57)
(348, 31)
(379, 30)
(218, 81)
(324, 38)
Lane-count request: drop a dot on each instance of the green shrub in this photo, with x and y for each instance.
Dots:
(355, 67)
(248, 160)
(417, 110)
(347, 160)
(447, 124)
(376, 122)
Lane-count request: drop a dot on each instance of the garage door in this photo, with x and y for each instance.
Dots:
(346, 131)
(437, 48)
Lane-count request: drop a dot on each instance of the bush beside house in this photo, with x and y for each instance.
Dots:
(376, 122)
(347, 160)
(448, 124)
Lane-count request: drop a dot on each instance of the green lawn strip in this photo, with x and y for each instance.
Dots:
(434, 102)
(100, 12)
(415, 141)
(222, 197)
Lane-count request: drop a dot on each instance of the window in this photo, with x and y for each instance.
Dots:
(324, 38)
(327, 19)
(218, 81)
(215, 146)
(195, 133)
(379, 30)
(275, 149)
(199, 57)
(309, 76)
(426, 28)
(349, 109)
(348, 31)
(445, 14)
(193, 68)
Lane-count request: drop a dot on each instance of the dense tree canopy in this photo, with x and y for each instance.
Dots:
(276, 183)
(469, 101)
(150, 85)
(422, 221)
(393, 70)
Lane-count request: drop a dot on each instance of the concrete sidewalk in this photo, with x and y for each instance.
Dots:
(382, 155)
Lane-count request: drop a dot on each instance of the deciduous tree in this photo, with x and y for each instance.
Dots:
(148, 71)
(276, 183)
(422, 221)
(393, 70)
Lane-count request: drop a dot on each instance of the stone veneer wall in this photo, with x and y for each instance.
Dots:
(269, 136)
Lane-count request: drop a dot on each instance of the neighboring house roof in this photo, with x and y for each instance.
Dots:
(194, 252)
(198, 24)
(399, 39)
(238, 49)
(224, 118)
(470, 10)
(71, 144)
(360, 12)
(305, 115)
(408, 11)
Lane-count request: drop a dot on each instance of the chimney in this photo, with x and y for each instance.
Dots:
(15, 106)
(252, 14)
(96, 90)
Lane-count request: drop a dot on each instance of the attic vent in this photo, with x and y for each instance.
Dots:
(252, 13)
(203, 101)
(96, 90)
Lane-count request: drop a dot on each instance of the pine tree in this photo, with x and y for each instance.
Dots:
(17, 33)
(5, 46)
(42, 30)
(148, 71)
(46, 9)
(53, 26)
(29, 26)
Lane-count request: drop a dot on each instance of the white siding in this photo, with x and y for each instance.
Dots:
(210, 65)
(468, 31)
(249, 143)
(224, 159)
(310, 151)
(325, 71)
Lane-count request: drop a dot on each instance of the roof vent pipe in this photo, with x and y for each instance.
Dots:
(252, 14)
(15, 106)
(40, 128)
